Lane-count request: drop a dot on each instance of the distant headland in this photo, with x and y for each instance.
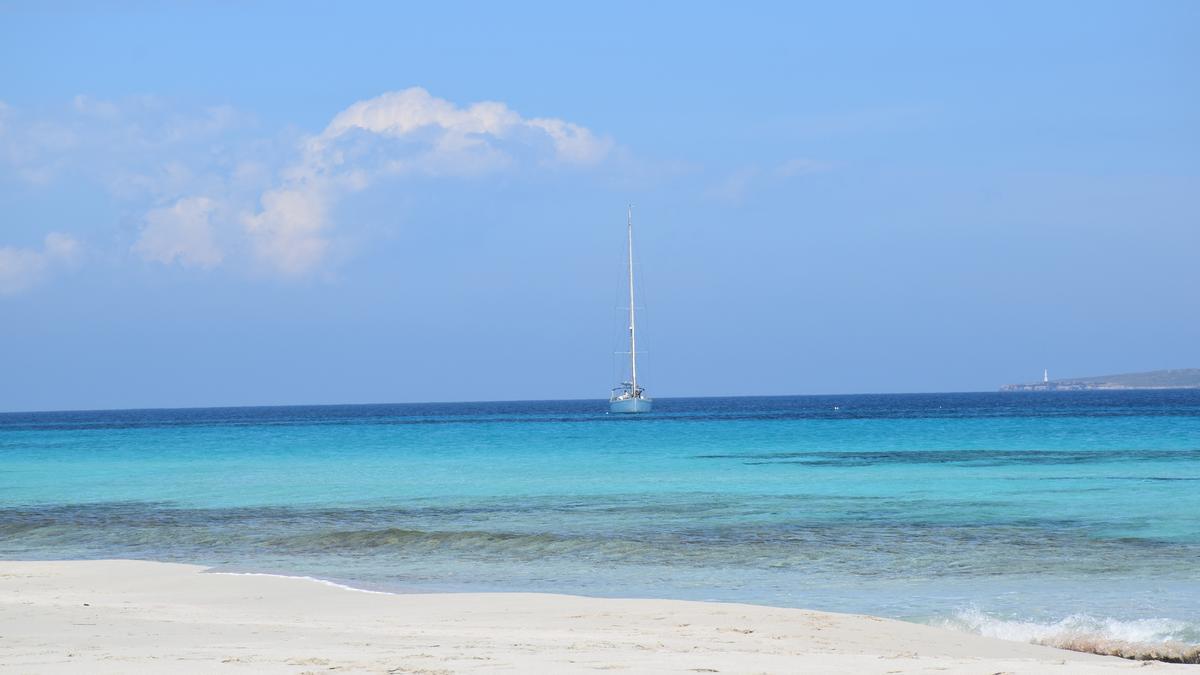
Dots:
(1176, 378)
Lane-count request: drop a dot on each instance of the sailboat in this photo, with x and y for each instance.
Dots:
(629, 397)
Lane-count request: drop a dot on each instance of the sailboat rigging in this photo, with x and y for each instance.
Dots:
(629, 396)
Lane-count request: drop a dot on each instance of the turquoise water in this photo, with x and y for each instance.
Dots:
(1001, 513)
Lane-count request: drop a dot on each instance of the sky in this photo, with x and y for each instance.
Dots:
(208, 204)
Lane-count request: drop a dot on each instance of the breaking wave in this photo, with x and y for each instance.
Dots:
(1141, 639)
(316, 580)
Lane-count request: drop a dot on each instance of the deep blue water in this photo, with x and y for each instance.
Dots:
(1019, 510)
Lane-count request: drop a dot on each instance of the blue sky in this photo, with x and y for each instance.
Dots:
(210, 204)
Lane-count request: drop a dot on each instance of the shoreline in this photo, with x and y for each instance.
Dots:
(122, 616)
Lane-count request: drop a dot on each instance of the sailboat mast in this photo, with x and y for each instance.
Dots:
(632, 318)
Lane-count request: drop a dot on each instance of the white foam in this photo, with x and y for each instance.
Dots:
(1076, 629)
(325, 582)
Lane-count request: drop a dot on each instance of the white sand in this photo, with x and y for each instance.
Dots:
(144, 617)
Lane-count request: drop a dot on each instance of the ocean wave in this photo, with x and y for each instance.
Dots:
(323, 582)
(1156, 639)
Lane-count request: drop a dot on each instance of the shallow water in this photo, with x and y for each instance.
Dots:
(992, 512)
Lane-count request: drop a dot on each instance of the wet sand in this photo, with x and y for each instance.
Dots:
(145, 617)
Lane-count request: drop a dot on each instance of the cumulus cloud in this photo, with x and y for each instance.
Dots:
(289, 231)
(211, 190)
(21, 268)
(182, 232)
(397, 133)
(454, 138)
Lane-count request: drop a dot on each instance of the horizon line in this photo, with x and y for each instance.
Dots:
(545, 400)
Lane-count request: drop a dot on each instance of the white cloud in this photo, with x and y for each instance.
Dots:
(401, 132)
(572, 142)
(182, 232)
(288, 233)
(210, 191)
(399, 113)
(460, 133)
(21, 268)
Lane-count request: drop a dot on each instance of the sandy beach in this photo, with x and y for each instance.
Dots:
(124, 616)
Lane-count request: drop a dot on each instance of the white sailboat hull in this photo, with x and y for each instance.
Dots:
(630, 405)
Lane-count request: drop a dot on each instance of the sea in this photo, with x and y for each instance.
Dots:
(1027, 515)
